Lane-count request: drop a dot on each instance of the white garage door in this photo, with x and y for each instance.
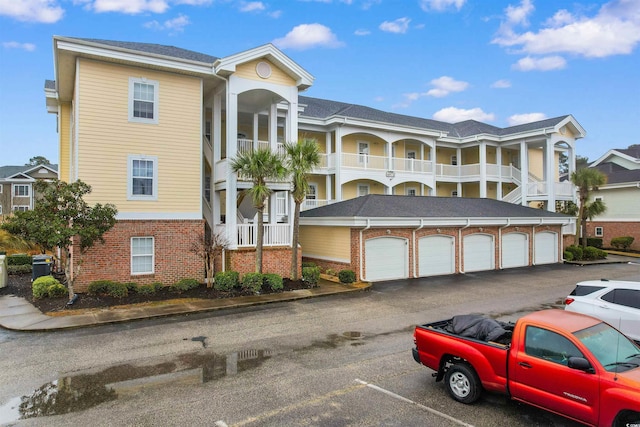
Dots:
(515, 250)
(386, 258)
(436, 255)
(478, 253)
(546, 248)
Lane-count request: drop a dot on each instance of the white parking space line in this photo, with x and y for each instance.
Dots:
(404, 399)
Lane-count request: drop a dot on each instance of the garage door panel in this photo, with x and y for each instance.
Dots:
(436, 255)
(546, 248)
(515, 250)
(478, 253)
(386, 258)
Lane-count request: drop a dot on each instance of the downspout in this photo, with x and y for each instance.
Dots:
(361, 249)
(533, 236)
(414, 246)
(460, 245)
(500, 242)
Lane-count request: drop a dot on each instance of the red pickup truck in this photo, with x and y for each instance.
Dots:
(567, 363)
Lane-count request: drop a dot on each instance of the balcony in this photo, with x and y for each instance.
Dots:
(314, 203)
(246, 146)
(274, 234)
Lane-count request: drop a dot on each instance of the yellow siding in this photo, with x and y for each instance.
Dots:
(65, 141)
(470, 156)
(471, 189)
(443, 155)
(248, 71)
(106, 137)
(321, 183)
(350, 144)
(536, 162)
(491, 155)
(444, 189)
(326, 242)
(350, 189)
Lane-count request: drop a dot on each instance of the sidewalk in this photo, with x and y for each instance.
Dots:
(19, 315)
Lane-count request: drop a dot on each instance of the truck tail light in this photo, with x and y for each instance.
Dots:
(568, 301)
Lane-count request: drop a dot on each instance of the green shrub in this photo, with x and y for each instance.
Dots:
(57, 290)
(623, 242)
(19, 259)
(311, 275)
(347, 276)
(47, 286)
(567, 255)
(596, 242)
(147, 289)
(132, 287)
(576, 251)
(184, 285)
(273, 281)
(591, 253)
(117, 290)
(308, 264)
(226, 280)
(19, 269)
(330, 272)
(252, 282)
(99, 287)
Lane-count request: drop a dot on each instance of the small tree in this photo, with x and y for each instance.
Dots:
(259, 166)
(62, 219)
(209, 246)
(38, 160)
(302, 157)
(587, 180)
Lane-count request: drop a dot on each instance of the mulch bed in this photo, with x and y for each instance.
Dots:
(20, 285)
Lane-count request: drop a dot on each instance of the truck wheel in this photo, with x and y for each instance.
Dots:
(463, 383)
(627, 418)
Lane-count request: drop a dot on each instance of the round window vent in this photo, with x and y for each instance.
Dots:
(264, 70)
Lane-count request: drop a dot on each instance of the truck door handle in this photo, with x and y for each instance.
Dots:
(524, 364)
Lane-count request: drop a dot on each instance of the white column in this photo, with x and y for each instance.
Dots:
(216, 128)
(338, 165)
(524, 172)
(273, 126)
(255, 130)
(549, 163)
(327, 150)
(232, 180)
(499, 164)
(292, 117)
(483, 169)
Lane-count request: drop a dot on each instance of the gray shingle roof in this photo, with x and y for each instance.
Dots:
(49, 84)
(388, 206)
(633, 151)
(10, 170)
(157, 49)
(323, 109)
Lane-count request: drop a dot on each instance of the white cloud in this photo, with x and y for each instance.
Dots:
(193, 2)
(501, 84)
(130, 7)
(441, 5)
(455, 115)
(252, 6)
(444, 85)
(520, 119)
(275, 14)
(45, 11)
(306, 36)
(29, 47)
(546, 63)
(362, 32)
(175, 25)
(399, 26)
(614, 30)
(518, 15)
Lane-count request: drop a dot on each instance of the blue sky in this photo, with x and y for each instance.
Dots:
(502, 62)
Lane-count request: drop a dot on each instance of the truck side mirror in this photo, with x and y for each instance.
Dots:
(581, 364)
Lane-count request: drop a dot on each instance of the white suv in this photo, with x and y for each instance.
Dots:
(614, 301)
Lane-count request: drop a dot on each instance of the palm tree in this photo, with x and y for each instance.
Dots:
(259, 166)
(302, 157)
(587, 180)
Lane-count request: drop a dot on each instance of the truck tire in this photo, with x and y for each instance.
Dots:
(627, 418)
(463, 383)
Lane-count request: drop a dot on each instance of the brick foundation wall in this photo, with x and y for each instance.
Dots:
(615, 229)
(274, 260)
(173, 261)
(326, 264)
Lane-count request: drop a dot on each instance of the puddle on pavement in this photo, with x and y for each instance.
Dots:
(80, 391)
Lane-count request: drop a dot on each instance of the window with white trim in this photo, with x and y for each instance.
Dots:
(142, 180)
(599, 231)
(598, 199)
(142, 255)
(411, 191)
(454, 160)
(21, 208)
(363, 153)
(312, 194)
(454, 193)
(143, 100)
(363, 189)
(21, 190)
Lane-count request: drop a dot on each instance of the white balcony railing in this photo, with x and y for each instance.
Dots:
(246, 146)
(274, 235)
(314, 203)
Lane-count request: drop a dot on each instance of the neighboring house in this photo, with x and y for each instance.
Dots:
(16, 186)
(382, 237)
(152, 129)
(621, 195)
